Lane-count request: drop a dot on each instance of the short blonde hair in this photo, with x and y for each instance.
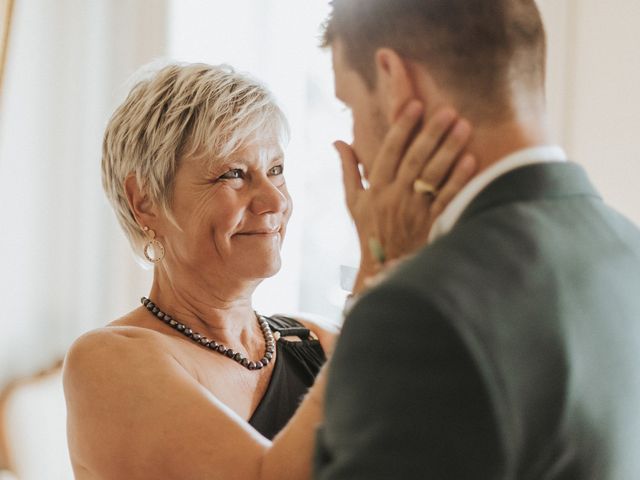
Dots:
(179, 111)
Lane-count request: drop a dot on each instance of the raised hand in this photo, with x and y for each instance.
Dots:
(410, 184)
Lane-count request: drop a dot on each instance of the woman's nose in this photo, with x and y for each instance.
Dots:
(269, 199)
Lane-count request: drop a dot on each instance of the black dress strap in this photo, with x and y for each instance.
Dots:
(288, 327)
(296, 366)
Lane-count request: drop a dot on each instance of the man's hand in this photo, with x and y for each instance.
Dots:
(390, 211)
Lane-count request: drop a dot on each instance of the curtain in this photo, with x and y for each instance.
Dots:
(64, 265)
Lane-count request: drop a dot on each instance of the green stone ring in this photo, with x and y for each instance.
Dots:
(377, 250)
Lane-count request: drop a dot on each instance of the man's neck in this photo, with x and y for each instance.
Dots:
(493, 142)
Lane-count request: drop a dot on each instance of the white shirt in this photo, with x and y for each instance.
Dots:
(451, 214)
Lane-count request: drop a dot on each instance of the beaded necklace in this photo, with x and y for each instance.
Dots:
(215, 346)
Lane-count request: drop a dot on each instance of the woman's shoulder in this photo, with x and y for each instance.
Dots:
(128, 332)
(123, 333)
(130, 396)
(111, 350)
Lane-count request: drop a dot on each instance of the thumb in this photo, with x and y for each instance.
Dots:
(350, 172)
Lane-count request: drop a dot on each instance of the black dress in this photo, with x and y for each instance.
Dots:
(296, 366)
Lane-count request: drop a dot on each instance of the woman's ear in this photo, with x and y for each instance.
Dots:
(395, 82)
(140, 204)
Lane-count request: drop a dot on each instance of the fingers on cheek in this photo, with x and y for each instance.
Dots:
(408, 121)
(437, 129)
(467, 167)
(458, 137)
(442, 120)
(462, 130)
(441, 202)
(413, 110)
(464, 171)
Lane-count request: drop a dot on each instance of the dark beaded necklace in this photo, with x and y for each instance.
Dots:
(215, 346)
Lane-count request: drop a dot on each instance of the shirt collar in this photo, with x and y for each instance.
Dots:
(451, 214)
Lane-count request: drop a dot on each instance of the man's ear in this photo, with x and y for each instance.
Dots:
(395, 82)
(140, 204)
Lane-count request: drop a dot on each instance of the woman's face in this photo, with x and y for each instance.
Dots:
(232, 214)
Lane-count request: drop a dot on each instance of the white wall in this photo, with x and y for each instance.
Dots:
(594, 94)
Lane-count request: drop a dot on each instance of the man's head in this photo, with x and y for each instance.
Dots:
(482, 56)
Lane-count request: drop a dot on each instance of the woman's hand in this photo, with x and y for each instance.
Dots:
(394, 215)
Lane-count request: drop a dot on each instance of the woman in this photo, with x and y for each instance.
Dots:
(194, 384)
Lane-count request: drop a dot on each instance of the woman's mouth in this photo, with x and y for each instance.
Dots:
(265, 232)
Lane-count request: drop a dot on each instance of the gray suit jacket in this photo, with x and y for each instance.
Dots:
(508, 349)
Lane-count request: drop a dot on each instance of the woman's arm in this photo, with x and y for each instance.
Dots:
(291, 454)
(134, 412)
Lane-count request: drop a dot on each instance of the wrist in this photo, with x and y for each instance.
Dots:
(368, 269)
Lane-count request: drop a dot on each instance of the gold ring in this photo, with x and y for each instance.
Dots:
(420, 186)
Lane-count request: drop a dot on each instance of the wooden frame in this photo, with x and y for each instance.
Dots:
(6, 455)
(6, 12)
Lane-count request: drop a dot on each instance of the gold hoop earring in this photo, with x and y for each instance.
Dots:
(153, 250)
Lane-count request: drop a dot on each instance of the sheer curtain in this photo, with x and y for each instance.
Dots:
(64, 265)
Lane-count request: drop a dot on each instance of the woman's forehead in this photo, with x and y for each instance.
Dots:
(261, 149)
(257, 151)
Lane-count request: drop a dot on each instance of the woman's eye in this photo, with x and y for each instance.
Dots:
(232, 174)
(277, 170)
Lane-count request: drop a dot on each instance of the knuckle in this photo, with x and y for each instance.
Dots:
(375, 189)
(413, 161)
(410, 166)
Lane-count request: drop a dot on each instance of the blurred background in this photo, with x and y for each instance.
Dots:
(65, 267)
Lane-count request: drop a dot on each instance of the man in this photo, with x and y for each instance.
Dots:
(509, 347)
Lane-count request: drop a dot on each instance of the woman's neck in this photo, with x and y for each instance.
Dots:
(222, 312)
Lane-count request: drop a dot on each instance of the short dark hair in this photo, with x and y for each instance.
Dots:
(479, 48)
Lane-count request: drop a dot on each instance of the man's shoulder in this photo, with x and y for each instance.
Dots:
(450, 262)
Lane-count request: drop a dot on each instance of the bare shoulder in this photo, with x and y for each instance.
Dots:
(109, 348)
(325, 329)
(129, 398)
(109, 365)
